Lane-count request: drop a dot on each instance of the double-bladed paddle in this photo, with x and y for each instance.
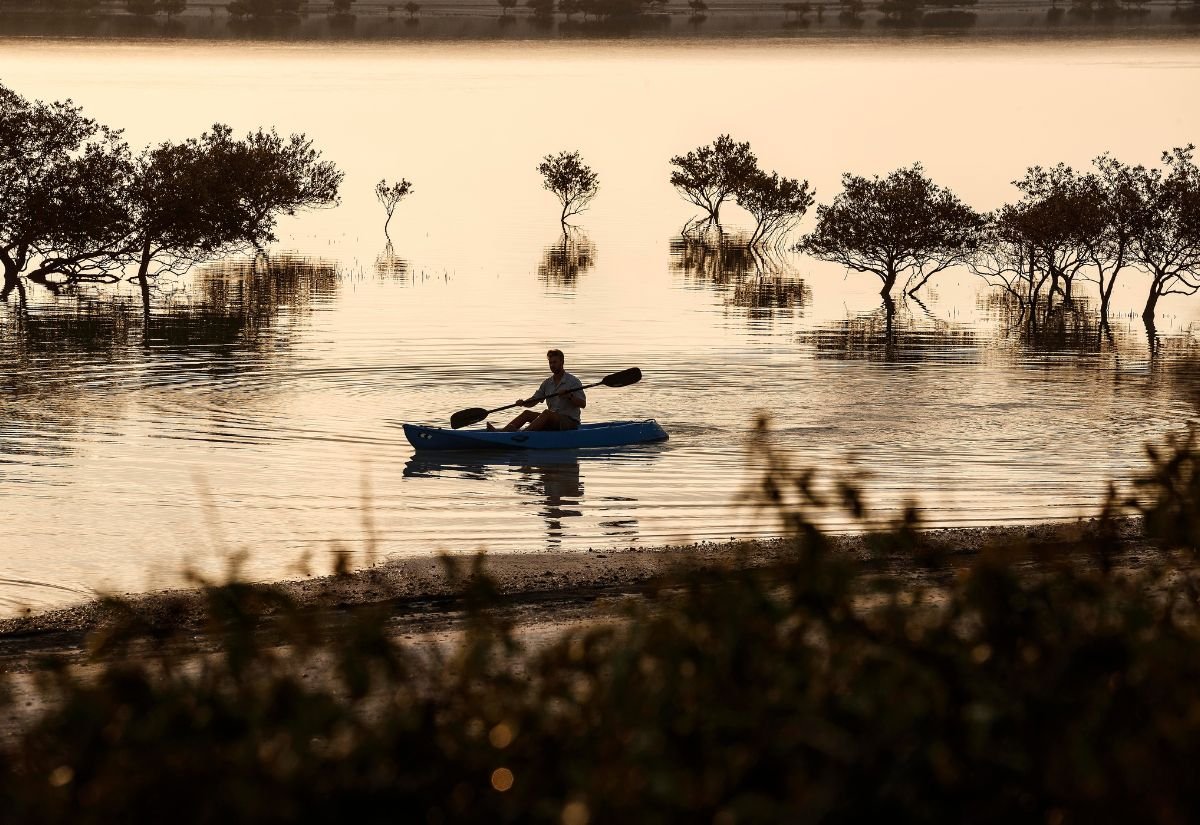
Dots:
(465, 418)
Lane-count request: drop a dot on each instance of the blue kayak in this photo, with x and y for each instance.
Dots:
(606, 434)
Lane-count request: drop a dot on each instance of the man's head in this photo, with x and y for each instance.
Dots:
(555, 357)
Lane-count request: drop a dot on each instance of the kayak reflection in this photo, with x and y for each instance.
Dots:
(552, 481)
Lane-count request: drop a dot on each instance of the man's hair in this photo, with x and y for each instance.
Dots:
(553, 352)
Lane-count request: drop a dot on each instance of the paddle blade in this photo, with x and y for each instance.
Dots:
(465, 418)
(623, 378)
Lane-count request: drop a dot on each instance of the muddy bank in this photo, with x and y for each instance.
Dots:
(419, 594)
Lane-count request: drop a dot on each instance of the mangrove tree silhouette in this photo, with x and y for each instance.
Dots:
(1093, 227)
(776, 203)
(64, 180)
(901, 226)
(1166, 241)
(570, 180)
(390, 196)
(709, 175)
(78, 207)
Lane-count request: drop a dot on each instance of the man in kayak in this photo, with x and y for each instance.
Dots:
(562, 411)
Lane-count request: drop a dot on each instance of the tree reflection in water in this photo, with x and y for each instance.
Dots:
(1174, 360)
(1072, 327)
(563, 261)
(234, 305)
(238, 301)
(716, 261)
(55, 368)
(764, 296)
(903, 332)
(68, 357)
(758, 282)
(1076, 328)
(390, 265)
(85, 323)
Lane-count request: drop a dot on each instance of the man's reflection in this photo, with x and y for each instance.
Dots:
(551, 481)
(559, 488)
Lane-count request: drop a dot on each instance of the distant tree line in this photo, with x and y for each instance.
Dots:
(266, 8)
(77, 204)
(140, 8)
(894, 13)
(598, 9)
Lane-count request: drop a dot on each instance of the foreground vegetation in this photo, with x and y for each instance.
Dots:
(1065, 692)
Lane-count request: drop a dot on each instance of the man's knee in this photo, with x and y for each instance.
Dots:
(547, 420)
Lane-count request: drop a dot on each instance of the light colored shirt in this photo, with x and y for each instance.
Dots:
(560, 404)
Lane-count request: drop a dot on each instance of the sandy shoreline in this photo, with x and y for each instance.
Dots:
(542, 589)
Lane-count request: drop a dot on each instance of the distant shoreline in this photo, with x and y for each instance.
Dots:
(464, 20)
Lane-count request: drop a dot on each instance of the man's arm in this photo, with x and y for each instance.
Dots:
(577, 398)
(533, 400)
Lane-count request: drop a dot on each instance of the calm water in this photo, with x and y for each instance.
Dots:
(258, 408)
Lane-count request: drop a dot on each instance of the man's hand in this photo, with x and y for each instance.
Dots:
(526, 402)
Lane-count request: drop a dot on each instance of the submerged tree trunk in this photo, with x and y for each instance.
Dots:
(11, 280)
(889, 281)
(144, 286)
(1152, 299)
(754, 236)
(889, 343)
(1105, 297)
(1151, 337)
(13, 264)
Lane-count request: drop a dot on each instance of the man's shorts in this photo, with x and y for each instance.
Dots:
(565, 423)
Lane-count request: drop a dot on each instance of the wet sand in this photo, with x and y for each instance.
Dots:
(541, 593)
(542, 596)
